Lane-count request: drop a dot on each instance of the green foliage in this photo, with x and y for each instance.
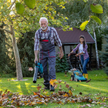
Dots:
(30, 3)
(61, 64)
(19, 8)
(85, 0)
(96, 19)
(6, 63)
(104, 54)
(59, 12)
(96, 8)
(78, 11)
(26, 51)
(99, 31)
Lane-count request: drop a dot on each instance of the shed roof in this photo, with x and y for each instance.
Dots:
(72, 37)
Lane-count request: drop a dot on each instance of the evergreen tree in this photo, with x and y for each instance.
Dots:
(26, 51)
(61, 64)
(104, 54)
(6, 62)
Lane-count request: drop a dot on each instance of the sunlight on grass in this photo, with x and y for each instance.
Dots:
(100, 89)
(13, 79)
(33, 86)
(27, 84)
(18, 86)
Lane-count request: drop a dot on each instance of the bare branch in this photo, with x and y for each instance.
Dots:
(12, 4)
(6, 30)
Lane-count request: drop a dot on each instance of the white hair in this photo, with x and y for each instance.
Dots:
(42, 19)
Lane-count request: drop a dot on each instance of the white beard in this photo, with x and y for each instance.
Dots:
(43, 28)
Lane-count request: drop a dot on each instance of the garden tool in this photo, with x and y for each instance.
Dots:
(38, 71)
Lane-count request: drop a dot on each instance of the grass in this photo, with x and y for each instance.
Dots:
(98, 84)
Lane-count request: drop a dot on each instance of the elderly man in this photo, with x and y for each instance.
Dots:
(47, 36)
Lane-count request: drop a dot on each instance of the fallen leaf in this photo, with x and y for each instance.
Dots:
(65, 95)
(80, 93)
(65, 75)
(70, 79)
(70, 93)
(59, 81)
(66, 72)
(38, 87)
(53, 81)
(67, 86)
(73, 101)
(88, 105)
(0, 102)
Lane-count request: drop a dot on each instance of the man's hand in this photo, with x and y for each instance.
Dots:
(36, 54)
(61, 54)
(36, 60)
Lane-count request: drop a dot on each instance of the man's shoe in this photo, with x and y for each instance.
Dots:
(52, 88)
(47, 87)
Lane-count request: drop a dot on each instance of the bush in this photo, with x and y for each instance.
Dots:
(61, 64)
(26, 51)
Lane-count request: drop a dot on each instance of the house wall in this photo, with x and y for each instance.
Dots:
(67, 49)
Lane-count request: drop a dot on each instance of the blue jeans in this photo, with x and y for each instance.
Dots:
(84, 63)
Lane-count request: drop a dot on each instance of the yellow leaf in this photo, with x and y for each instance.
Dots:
(62, 82)
(65, 95)
(70, 92)
(52, 81)
(46, 92)
(83, 25)
(39, 102)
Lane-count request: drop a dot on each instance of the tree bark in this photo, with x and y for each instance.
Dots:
(97, 56)
(17, 57)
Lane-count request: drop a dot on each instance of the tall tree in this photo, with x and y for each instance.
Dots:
(23, 16)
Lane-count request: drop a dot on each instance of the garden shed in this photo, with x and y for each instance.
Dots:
(71, 38)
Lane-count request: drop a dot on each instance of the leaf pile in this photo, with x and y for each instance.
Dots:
(42, 96)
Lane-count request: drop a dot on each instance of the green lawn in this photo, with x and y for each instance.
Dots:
(98, 84)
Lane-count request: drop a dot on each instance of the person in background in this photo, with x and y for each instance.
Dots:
(47, 36)
(82, 53)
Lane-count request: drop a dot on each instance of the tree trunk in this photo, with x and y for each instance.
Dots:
(97, 57)
(17, 57)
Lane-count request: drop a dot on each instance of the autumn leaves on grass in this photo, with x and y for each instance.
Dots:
(62, 95)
